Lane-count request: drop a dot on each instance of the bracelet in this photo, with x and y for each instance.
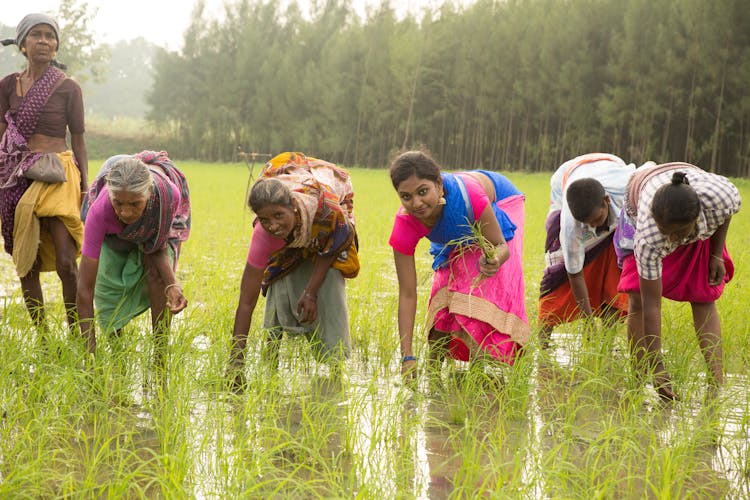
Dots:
(310, 295)
(408, 358)
(166, 289)
(581, 301)
(718, 257)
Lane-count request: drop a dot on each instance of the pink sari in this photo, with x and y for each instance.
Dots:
(684, 274)
(487, 313)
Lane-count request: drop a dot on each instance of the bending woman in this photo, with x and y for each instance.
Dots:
(671, 239)
(40, 220)
(477, 303)
(303, 246)
(137, 215)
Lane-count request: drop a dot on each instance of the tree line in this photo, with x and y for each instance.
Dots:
(515, 84)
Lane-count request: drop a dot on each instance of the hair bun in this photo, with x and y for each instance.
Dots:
(679, 178)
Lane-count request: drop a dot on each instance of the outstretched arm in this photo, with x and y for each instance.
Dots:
(249, 293)
(85, 299)
(407, 304)
(580, 292)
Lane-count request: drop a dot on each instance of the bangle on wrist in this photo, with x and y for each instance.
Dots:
(408, 358)
(718, 257)
(313, 296)
(175, 284)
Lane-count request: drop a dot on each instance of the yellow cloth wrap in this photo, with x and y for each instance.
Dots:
(41, 199)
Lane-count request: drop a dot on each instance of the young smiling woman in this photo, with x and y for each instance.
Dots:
(477, 304)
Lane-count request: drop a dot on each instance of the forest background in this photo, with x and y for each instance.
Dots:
(506, 85)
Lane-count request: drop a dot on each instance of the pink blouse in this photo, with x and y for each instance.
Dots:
(262, 245)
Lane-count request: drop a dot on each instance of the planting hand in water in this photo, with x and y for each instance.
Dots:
(475, 223)
(671, 239)
(303, 246)
(137, 214)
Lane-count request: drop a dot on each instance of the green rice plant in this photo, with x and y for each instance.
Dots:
(568, 422)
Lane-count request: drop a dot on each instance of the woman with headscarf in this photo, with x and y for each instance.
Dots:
(303, 246)
(39, 213)
(671, 242)
(137, 214)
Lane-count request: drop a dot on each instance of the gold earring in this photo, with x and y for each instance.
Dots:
(23, 49)
(441, 200)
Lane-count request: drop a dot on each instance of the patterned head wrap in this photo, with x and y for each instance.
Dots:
(26, 24)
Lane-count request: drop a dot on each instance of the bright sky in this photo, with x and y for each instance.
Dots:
(162, 22)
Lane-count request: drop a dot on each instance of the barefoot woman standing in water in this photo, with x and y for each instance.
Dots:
(39, 215)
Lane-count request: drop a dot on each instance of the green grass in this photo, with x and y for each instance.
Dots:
(564, 423)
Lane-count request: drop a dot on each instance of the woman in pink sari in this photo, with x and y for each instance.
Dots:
(477, 303)
(40, 219)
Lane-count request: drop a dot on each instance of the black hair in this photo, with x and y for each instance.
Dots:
(676, 202)
(417, 163)
(584, 196)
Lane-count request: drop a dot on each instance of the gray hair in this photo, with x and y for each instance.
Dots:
(269, 192)
(129, 174)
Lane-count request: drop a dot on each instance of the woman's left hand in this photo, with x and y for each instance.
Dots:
(716, 270)
(176, 301)
(307, 307)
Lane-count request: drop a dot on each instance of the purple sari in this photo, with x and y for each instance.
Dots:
(15, 155)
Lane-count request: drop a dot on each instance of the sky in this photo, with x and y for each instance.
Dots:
(162, 22)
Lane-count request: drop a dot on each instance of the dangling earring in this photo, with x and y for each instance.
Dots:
(23, 49)
(441, 200)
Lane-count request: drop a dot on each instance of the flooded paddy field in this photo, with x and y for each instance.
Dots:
(569, 421)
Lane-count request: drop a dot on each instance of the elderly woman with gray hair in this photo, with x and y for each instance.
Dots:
(136, 214)
(41, 178)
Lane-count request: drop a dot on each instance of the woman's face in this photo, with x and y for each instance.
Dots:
(420, 198)
(599, 216)
(128, 206)
(678, 232)
(279, 220)
(40, 43)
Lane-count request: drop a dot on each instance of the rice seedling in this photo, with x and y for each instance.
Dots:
(568, 422)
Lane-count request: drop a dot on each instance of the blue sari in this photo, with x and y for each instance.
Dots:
(458, 215)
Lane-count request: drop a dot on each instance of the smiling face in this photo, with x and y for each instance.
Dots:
(279, 220)
(420, 198)
(129, 206)
(40, 43)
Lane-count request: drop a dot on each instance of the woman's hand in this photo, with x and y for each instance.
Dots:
(176, 301)
(489, 267)
(716, 270)
(307, 307)
(409, 371)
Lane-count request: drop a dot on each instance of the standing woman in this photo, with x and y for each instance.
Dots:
(303, 246)
(137, 215)
(671, 241)
(477, 303)
(40, 218)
